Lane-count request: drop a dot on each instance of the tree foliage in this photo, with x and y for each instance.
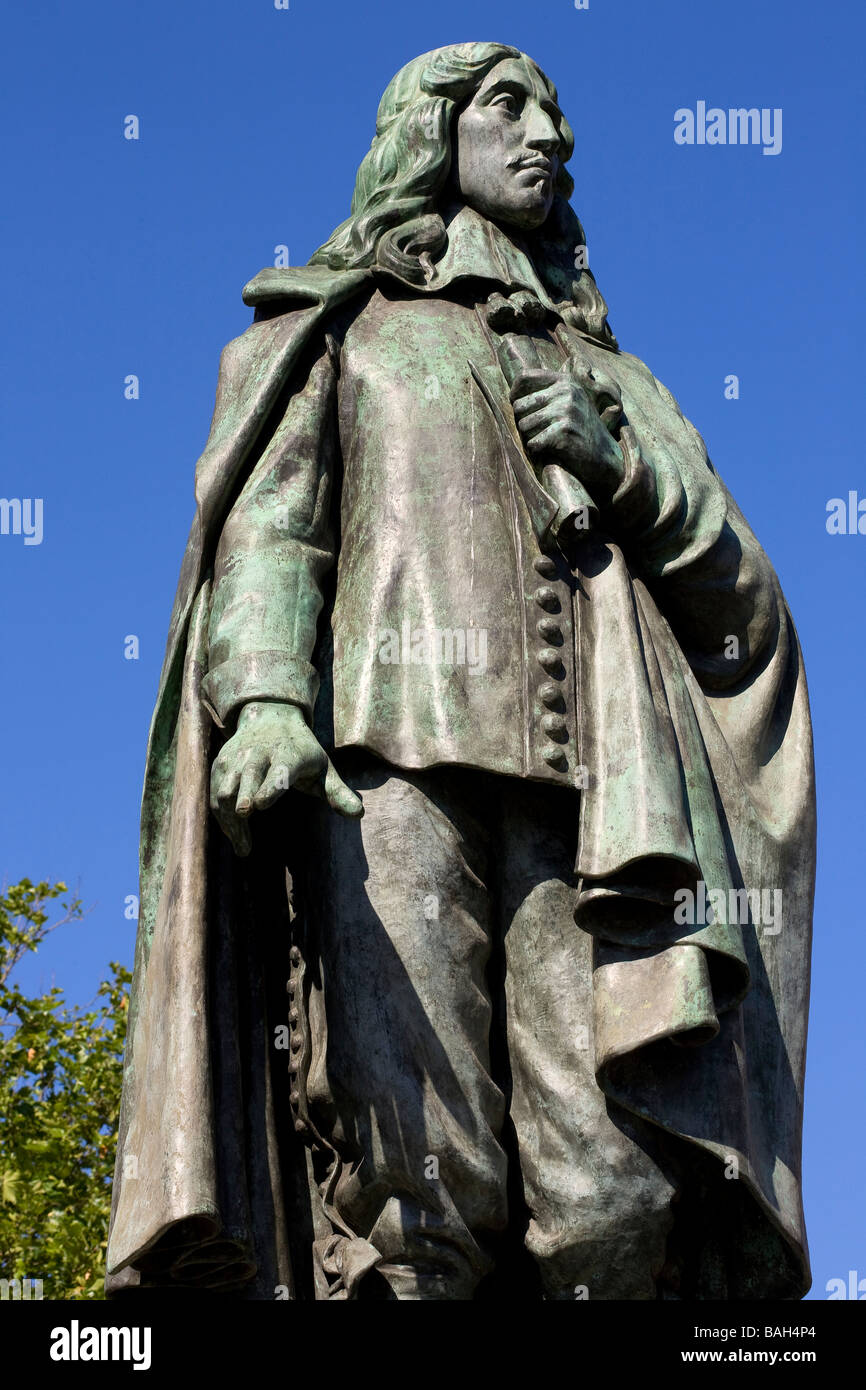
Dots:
(60, 1078)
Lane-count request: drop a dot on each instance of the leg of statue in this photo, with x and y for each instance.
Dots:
(596, 1182)
(399, 1017)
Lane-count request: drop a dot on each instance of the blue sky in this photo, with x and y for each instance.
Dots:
(128, 257)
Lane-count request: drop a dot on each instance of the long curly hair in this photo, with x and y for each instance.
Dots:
(394, 220)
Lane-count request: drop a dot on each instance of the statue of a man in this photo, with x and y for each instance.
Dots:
(508, 993)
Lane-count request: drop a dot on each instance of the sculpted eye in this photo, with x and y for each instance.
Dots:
(507, 102)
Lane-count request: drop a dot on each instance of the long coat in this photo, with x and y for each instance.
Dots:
(363, 485)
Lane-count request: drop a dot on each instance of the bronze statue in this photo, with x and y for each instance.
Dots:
(478, 827)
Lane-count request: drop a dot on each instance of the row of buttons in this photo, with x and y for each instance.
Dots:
(550, 659)
(296, 1037)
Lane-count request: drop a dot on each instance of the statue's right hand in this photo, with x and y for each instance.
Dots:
(271, 750)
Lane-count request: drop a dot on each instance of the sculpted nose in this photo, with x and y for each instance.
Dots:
(541, 133)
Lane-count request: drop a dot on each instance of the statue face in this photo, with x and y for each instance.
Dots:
(507, 146)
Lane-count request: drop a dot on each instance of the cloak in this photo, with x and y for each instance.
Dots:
(699, 1022)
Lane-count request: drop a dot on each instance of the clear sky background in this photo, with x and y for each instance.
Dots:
(127, 257)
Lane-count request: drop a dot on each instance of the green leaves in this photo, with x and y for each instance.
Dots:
(60, 1078)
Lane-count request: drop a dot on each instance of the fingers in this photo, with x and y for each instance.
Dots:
(320, 778)
(534, 400)
(563, 394)
(236, 831)
(553, 414)
(331, 788)
(548, 438)
(224, 783)
(602, 389)
(278, 781)
(340, 797)
(259, 784)
(597, 380)
(535, 388)
(251, 779)
(227, 789)
(534, 380)
(531, 425)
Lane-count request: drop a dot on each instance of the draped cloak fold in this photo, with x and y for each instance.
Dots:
(699, 1026)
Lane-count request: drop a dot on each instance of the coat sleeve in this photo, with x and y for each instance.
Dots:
(687, 540)
(275, 548)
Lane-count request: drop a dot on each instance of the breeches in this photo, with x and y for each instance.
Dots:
(451, 1065)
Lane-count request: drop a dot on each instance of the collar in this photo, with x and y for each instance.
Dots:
(478, 249)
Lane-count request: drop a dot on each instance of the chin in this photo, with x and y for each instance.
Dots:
(524, 214)
(530, 218)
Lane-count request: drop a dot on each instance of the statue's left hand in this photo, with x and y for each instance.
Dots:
(559, 422)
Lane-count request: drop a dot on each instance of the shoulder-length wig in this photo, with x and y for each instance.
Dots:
(394, 220)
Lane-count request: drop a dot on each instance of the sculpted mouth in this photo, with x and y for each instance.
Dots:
(536, 164)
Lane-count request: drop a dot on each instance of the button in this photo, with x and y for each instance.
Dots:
(549, 629)
(297, 1040)
(543, 564)
(549, 658)
(294, 1096)
(293, 1015)
(554, 727)
(295, 955)
(549, 694)
(547, 598)
(293, 1069)
(556, 758)
(300, 1126)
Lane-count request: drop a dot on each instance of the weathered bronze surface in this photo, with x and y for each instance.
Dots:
(530, 1019)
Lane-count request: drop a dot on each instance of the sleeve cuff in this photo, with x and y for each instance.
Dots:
(634, 501)
(259, 676)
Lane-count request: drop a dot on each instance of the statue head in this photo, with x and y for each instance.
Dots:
(474, 123)
(509, 143)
